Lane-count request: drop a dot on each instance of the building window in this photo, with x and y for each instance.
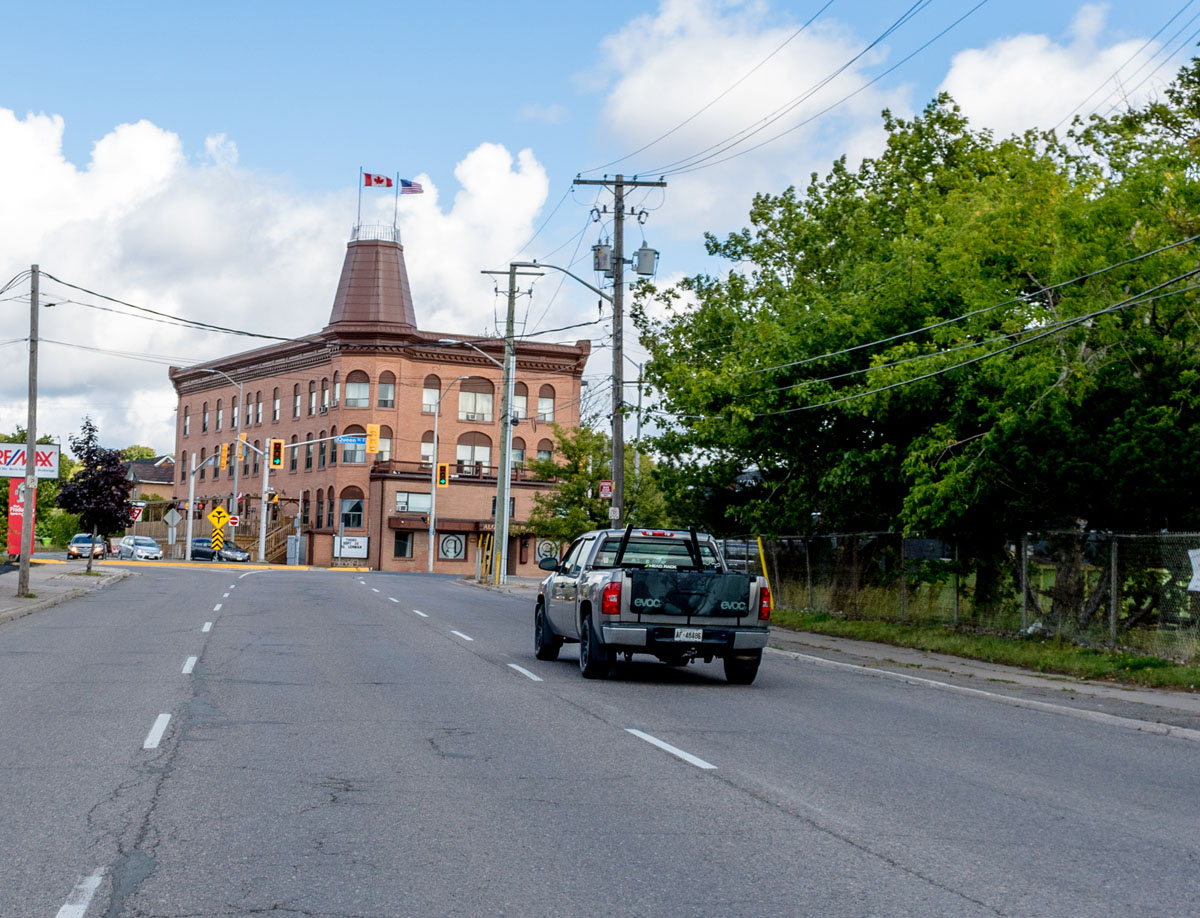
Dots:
(183, 470)
(337, 388)
(520, 400)
(233, 414)
(325, 394)
(352, 513)
(321, 452)
(295, 452)
(312, 399)
(545, 450)
(358, 390)
(255, 451)
(320, 506)
(333, 447)
(402, 545)
(353, 452)
(329, 511)
(546, 404)
(308, 457)
(306, 507)
(203, 463)
(474, 403)
(187, 421)
(427, 449)
(516, 453)
(387, 391)
(430, 394)
(385, 444)
(413, 502)
(275, 407)
(474, 454)
(296, 400)
(512, 507)
(204, 419)
(220, 414)
(258, 409)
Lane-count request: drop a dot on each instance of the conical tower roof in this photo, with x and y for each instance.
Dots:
(373, 296)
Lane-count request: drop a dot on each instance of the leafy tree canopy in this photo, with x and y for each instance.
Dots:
(137, 452)
(99, 491)
(964, 335)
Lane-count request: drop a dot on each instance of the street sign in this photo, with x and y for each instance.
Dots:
(135, 513)
(172, 517)
(218, 539)
(614, 513)
(218, 517)
(233, 521)
(606, 490)
(352, 438)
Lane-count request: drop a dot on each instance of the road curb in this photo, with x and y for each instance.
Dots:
(1129, 723)
(74, 592)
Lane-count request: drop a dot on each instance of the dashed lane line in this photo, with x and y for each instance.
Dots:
(188, 665)
(157, 731)
(673, 750)
(81, 896)
(465, 637)
(207, 626)
(526, 673)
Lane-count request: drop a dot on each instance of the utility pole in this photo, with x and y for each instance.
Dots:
(620, 183)
(30, 440)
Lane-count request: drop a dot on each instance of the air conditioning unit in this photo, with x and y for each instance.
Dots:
(474, 417)
(400, 508)
(334, 403)
(324, 409)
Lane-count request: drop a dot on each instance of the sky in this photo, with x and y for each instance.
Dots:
(203, 160)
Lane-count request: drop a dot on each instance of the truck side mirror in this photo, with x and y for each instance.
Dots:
(548, 564)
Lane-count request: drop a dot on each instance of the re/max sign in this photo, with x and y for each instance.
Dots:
(45, 460)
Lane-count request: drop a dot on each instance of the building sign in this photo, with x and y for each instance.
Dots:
(45, 460)
(350, 547)
(16, 517)
(546, 548)
(452, 547)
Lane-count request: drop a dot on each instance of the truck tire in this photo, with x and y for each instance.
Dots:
(546, 644)
(593, 658)
(741, 669)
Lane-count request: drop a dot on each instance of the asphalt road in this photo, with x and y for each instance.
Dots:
(386, 745)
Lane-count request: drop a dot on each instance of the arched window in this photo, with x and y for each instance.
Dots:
(431, 391)
(351, 507)
(337, 387)
(321, 450)
(249, 415)
(517, 453)
(204, 419)
(203, 451)
(255, 451)
(320, 508)
(385, 444)
(220, 413)
(275, 405)
(475, 399)
(474, 453)
(333, 446)
(296, 400)
(295, 451)
(183, 466)
(427, 448)
(387, 390)
(312, 398)
(187, 420)
(358, 390)
(258, 407)
(329, 510)
(545, 449)
(324, 394)
(308, 454)
(546, 403)
(305, 507)
(234, 408)
(354, 452)
(521, 400)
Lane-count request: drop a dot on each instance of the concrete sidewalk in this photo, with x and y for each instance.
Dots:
(1179, 709)
(52, 582)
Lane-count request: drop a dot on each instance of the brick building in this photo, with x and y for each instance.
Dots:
(371, 365)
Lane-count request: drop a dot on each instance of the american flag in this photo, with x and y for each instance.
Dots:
(407, 187)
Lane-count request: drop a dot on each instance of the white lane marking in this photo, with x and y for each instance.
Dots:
(226, 595)
(207, 626)
(77, 903)
(524, 672)
(217, 607)
(157, 731)
(667, 747)
(188, 665)
(393, 599)
(420, 613)
(373, 590)
(232, 586)
(465, 637)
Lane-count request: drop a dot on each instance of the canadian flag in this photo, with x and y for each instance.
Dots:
(376, 181)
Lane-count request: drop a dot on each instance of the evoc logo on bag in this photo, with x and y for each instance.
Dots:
(733, 607)
(647, 603)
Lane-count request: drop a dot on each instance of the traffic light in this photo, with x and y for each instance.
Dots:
(241, 447)
(224, 455)
(443, 476)
(277, 454)
(372, 438)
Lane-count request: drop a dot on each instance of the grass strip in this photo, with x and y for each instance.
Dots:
(1040, 654)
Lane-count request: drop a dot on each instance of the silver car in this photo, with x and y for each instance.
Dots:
(140, 548)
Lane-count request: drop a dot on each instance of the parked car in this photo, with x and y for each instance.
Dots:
(140, 548)
(202, 550)
(81, 541)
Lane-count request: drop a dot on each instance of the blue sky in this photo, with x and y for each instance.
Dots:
(203, 159)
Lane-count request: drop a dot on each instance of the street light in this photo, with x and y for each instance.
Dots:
(237, 461)
(500, 566)
(433, 462)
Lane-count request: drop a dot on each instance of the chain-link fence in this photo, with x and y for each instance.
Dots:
(1130, 590)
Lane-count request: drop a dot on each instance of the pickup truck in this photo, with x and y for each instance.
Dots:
(656, 591)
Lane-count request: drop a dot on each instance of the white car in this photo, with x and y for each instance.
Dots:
(140, 548)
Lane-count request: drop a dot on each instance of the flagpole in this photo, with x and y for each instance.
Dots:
(360, 187)
(396, 206)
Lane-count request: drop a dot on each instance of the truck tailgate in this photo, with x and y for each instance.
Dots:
(689, 593)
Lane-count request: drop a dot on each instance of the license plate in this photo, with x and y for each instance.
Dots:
(689, 634)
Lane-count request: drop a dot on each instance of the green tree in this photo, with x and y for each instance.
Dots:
(137, 452)
(99, 491)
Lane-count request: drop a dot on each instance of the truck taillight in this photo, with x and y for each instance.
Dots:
(764, 604)
(610, 600)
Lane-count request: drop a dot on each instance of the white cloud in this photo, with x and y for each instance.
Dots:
(547, 114)
(1029, 81)
(664, 68)
(207, 240)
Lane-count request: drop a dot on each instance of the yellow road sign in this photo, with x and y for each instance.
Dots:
(218, 539)
(218, 517)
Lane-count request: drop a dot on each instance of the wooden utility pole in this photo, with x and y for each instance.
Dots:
(619, 184)
(30, 440)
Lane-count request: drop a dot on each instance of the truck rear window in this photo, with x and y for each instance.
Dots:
(667, 554)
